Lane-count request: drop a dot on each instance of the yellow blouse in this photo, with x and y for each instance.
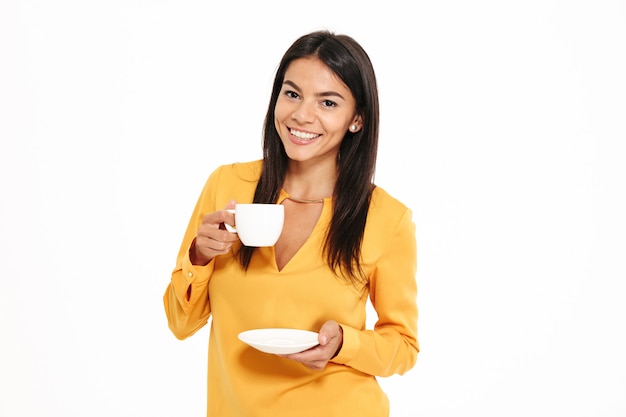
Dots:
(244, 382)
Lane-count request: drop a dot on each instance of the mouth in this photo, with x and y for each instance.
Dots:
(305, 136)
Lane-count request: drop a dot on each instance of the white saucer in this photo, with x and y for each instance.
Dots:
(279, 341)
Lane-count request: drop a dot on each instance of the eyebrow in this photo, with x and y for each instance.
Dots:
(322, 94)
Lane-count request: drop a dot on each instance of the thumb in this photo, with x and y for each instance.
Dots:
(324, 336)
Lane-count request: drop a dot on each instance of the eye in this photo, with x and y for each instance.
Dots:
(291, 94)
(328, 103)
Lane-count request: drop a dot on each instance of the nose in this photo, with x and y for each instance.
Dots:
(304, 113)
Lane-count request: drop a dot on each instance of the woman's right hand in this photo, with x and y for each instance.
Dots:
(213, 239)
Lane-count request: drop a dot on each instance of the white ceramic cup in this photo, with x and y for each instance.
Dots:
(258, 224)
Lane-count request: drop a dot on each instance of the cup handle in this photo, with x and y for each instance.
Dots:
(230, 228)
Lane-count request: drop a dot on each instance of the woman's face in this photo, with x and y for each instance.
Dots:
(314, 111)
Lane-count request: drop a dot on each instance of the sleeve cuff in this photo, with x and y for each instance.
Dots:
(350, 347)
(196, 273)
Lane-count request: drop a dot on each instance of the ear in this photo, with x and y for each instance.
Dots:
(356, 124)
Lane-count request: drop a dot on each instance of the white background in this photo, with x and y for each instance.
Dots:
(503, 124)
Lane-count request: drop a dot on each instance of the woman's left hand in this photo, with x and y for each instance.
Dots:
(330, 338)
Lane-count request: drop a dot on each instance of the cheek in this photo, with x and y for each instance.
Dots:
(278, 117)
(335, 124)
(277, 126)
(280, 122)
(280, 110)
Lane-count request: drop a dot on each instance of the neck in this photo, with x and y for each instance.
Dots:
(311, 186)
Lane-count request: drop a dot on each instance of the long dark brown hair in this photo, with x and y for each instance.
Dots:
(357, 152)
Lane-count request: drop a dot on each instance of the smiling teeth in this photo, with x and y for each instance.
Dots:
(303, 135)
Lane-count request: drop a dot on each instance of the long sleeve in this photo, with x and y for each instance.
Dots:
(186, 298)
(392, 346)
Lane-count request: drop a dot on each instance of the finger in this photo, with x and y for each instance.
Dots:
(215, 221)
(216, 218)
(231, 204)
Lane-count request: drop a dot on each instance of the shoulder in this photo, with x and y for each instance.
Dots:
(233, 181)
(388, 216)
(385, 205)
(389, 226)
(238, 171)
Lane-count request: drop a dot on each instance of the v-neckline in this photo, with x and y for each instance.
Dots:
(314, 231)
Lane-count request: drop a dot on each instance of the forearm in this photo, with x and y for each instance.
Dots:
(392, 346)
(186, 299)
(382, 352)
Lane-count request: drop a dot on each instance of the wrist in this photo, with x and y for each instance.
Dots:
(340, 342)
(194, 258)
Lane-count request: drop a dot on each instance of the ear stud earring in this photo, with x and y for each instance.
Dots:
(353, 128)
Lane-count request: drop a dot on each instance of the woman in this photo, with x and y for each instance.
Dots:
(344, 240)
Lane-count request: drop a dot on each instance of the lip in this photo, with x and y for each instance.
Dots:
(300, 141)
